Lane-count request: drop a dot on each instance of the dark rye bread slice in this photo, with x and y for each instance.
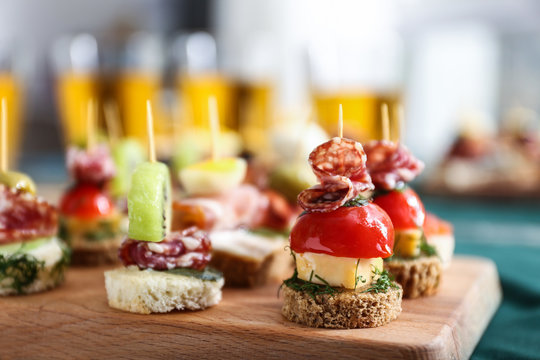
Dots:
(94, 257)
(345, 310)
(418, 277)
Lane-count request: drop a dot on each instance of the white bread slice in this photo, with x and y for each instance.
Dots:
(54, 256)
(148, 291)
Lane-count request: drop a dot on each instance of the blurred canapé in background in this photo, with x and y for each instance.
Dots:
(465, 72)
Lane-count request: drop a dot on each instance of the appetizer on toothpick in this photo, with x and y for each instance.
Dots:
(126, 153)
(32, 258)
(245, 224)
(338, 244)
(89, 220)
(163, 270)
(391, 165)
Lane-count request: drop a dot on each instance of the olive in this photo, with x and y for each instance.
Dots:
(19, 181)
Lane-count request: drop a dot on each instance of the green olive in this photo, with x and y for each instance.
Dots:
(19, 181)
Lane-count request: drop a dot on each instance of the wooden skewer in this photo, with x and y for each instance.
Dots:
(112, 118)
(90, 125)
(214, 126)
(340, 121)
(150, 132)
(385, 122)
(400, 126)
(176, 117)
(4, 161)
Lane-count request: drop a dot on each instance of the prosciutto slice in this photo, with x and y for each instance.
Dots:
(24, 217)
(340, 166)
(391, 164)
(92, 166)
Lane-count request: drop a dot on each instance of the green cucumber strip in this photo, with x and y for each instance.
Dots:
(149, 202)
(208, 274)
(24, 246)
(127, 154)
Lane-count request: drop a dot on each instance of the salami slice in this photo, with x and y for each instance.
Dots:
(391, 164)
(189, 248)
(24, 217)
(94, 166)
(340, 166)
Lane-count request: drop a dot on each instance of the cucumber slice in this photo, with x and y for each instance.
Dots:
(25, 246)
(18, 181)
(127, 154)
(149, 202)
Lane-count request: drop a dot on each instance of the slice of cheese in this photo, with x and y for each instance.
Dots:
(337, 271)
(213, 176)
(407, 242)
(246, 244)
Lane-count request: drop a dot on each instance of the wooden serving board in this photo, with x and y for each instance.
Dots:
(74, 321)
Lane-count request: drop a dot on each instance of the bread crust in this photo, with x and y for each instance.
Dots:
(149, 291)
(240, 271)
(418, 277)
(348, 309)
(94, 257)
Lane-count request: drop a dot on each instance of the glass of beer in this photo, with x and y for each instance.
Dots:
(77, 83)
(359, 75)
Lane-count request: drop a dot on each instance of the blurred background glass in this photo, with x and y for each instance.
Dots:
(275, 66)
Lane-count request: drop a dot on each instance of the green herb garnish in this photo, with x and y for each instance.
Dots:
(270, 232)
(427, 249)
(357, 201)
(22, 269)
(358, 278)
(312, 289)
(383, 283)
(58, 269)
(209, 273)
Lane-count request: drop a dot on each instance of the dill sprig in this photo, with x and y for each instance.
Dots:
(383, 282)
(357, 201)
(425, 248)
(358, 278)
(312, 289)
(21, 268)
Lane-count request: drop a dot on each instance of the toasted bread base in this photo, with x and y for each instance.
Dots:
(94, 257)
(248, 272)
(94, 253)
(149, 291)
(49, 276)
(418, 277)
(346, 310)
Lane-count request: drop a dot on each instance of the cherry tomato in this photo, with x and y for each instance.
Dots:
(404, 207)
(435, 226)
(354, 232)
(86, 201)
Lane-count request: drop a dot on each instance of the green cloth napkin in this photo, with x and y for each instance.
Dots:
(508, 232)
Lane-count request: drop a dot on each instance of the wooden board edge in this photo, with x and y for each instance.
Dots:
(458, 340)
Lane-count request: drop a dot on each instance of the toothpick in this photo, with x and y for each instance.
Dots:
(400, 126)
(90, 125)
(385, 122)
(4, 162)
(112, 118)
(176, 117)
(150, 132)
(340, 121)
(214, 126)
